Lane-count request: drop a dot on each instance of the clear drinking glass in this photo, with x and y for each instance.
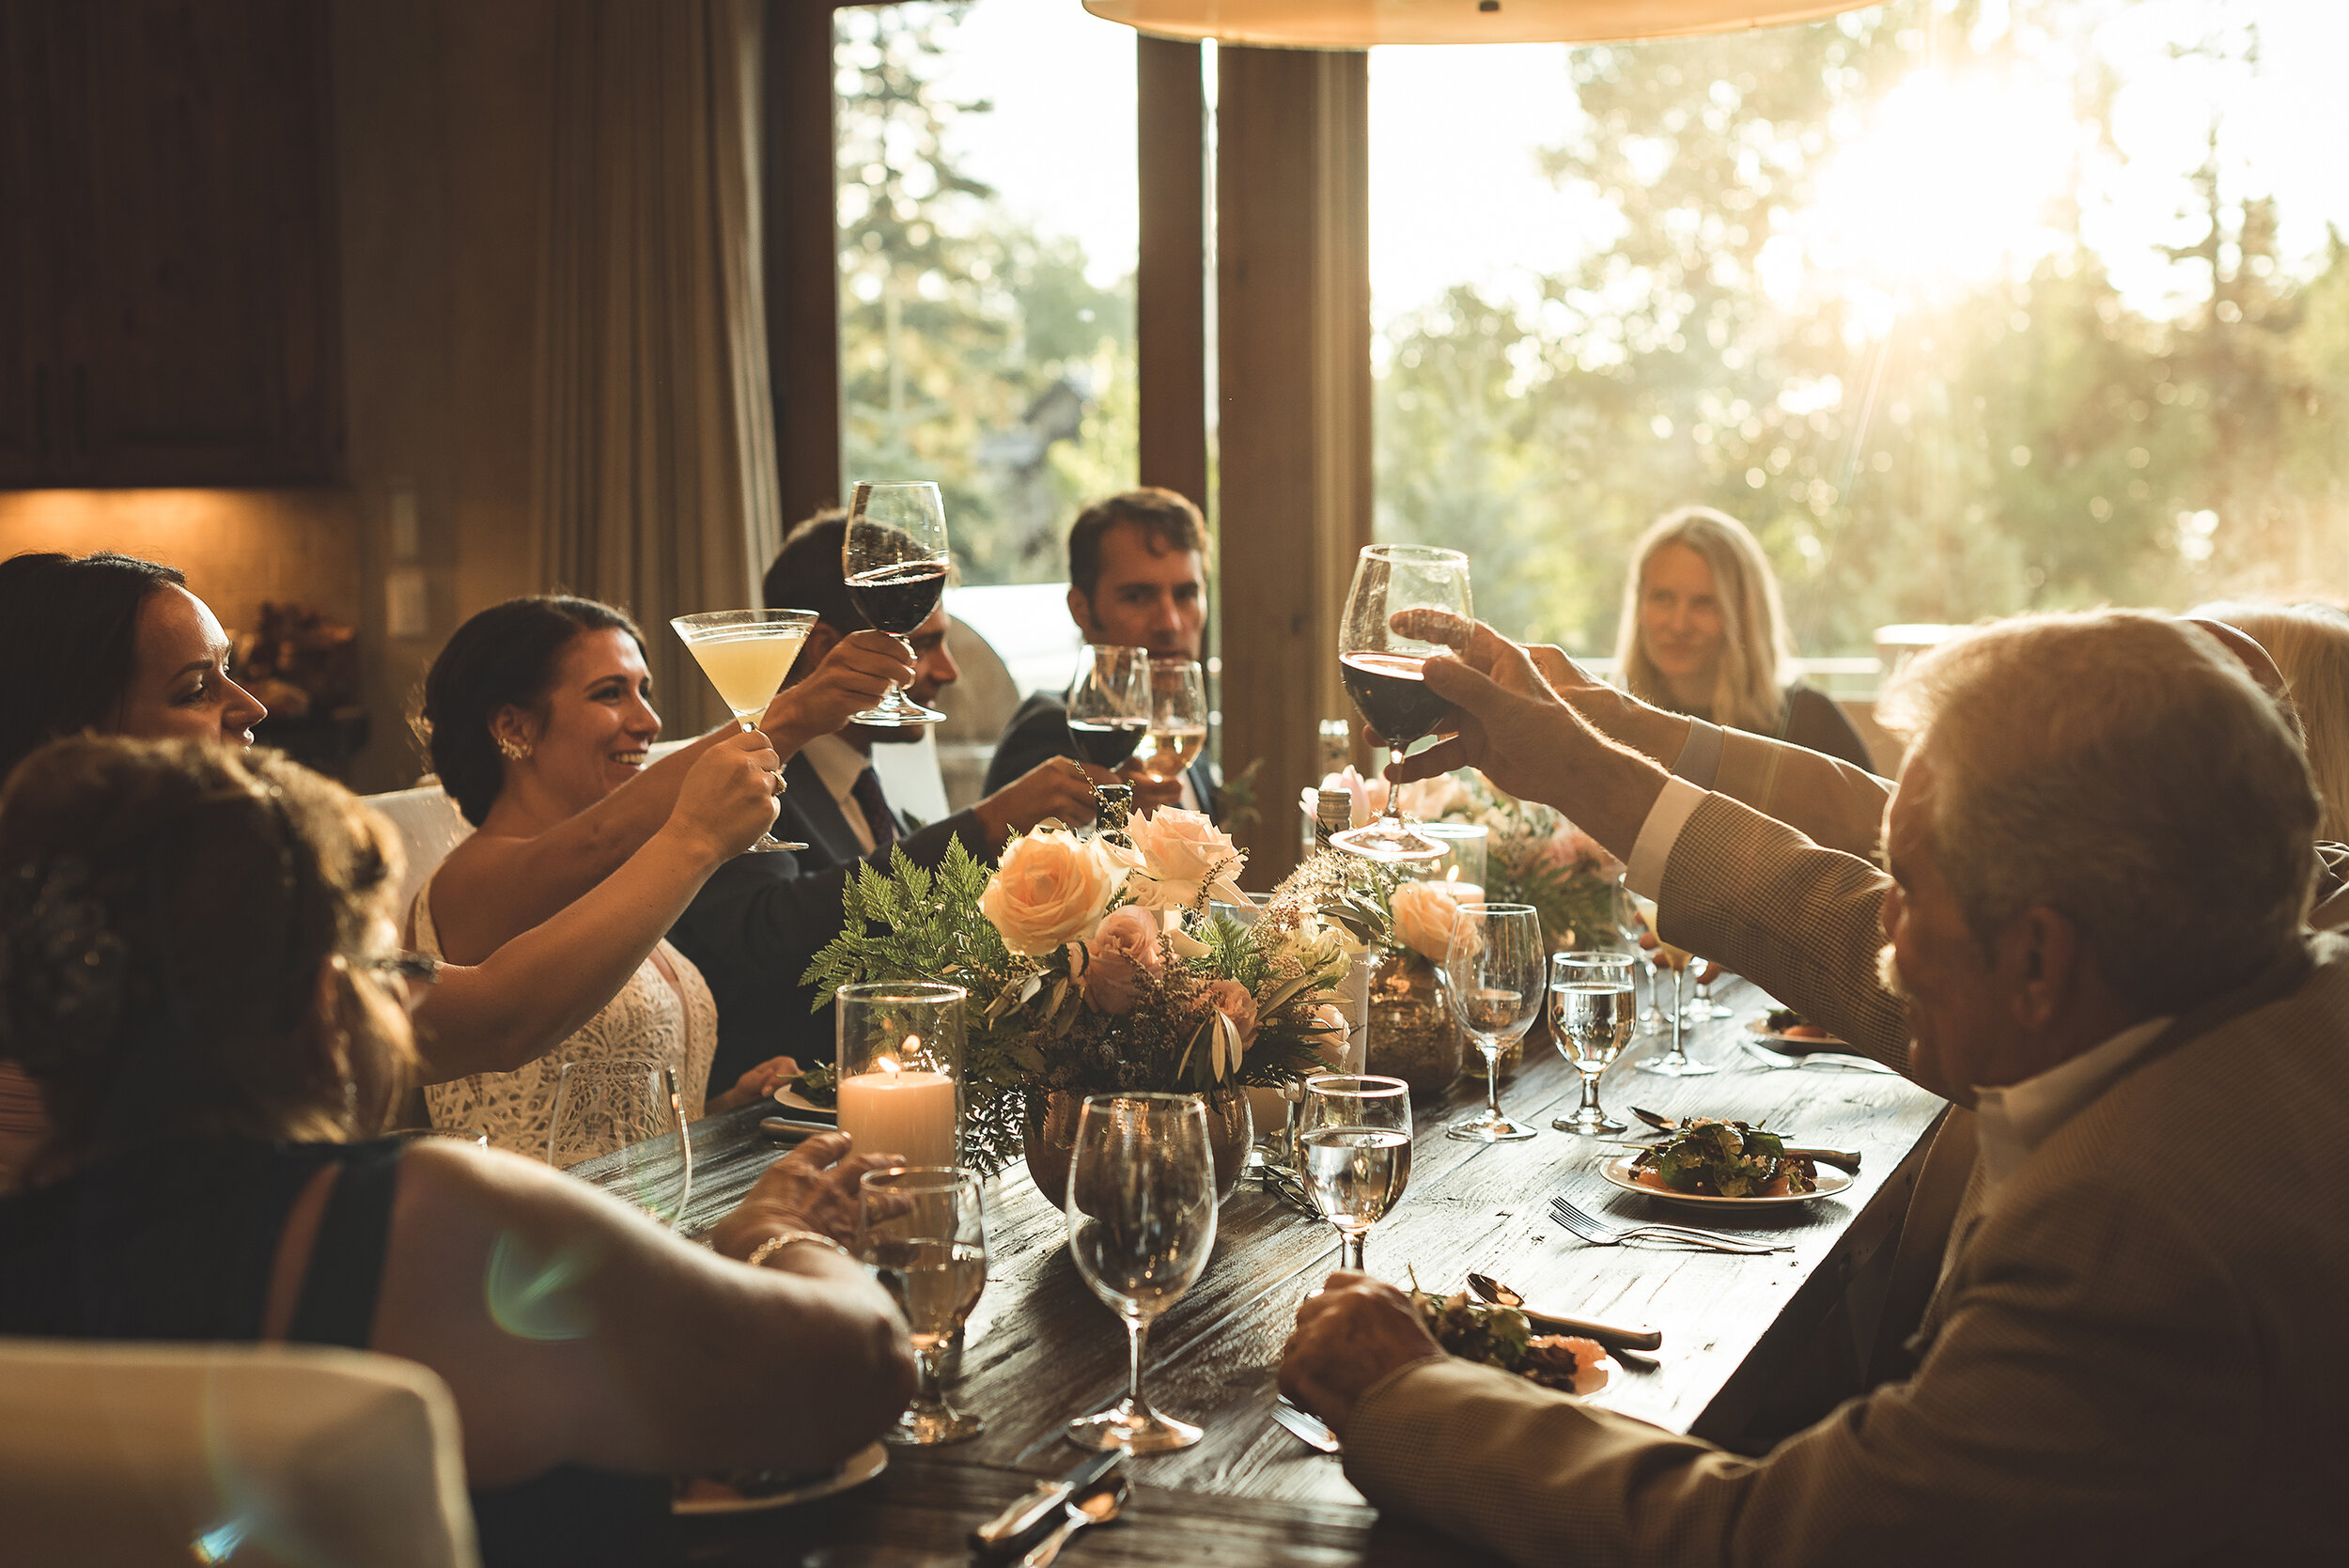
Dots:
(1108, 705)
(1354, 1151)
(1702, 1005)
(898, 1047)
(893, 556)
(746, 654)
(634, 1112)
(1677, 1062)
(1178, 718)
(1493, 979)
(1592, 1007)
(1383, 671)
(922, 1230)
(1141, 1223)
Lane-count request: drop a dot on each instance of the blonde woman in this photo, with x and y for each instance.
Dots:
(1703, 634)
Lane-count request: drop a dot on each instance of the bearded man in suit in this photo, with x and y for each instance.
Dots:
(2101, 858)
(756, 923)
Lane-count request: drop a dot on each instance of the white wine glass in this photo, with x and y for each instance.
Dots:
(893, 556)
(1493, 980)
(923, 1231)
(1178, 718)
(631, 1112)
(1384, 673)
(747, 654)
(1354, 1152)
(1593, 1007)
(1141, 1209)
(1109, 704)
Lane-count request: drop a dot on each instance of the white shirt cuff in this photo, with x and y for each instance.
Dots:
(1700, 759)
(1674, 806)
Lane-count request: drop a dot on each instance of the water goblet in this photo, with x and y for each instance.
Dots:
(1140, 1208)
(924, 1233)
(634, 1112)
(1591, 997)
(1354, 1151)
(1493, 980)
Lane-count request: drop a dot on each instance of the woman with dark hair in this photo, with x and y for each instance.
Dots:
(540, 721)
(195, 958)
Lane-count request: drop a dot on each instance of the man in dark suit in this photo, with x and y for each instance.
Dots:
(1137, 579)
(758, 920)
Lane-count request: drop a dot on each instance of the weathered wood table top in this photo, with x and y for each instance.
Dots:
(1041, 1348)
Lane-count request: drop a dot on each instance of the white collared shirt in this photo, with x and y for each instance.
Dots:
(840, 765)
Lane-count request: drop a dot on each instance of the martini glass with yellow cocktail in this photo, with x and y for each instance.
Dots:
(746, 653)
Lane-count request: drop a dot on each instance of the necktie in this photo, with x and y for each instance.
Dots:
(866, 793)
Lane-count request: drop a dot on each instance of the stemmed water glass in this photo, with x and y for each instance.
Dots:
(1702, 1005)
(1141, 1224)
(746, 654)
(1384, 673)
(1354, 1151)
(1109, 706)
(922, 1230)
(893, 556)
(632, 1109)
(1675, 1062)
(1640, 920)
(1591, 1005)
(1493, 980)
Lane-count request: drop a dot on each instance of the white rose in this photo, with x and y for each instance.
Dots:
(1051, 888)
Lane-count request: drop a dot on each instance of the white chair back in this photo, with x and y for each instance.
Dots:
(126, 1453)
(429, 826)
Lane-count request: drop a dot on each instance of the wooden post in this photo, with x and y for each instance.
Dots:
(1171, 281)
(801, 247)
(1293, 374)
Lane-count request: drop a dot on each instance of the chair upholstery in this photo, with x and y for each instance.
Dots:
(129, 1454)
(429, 826)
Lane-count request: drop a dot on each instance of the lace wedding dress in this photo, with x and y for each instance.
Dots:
(649, 1024)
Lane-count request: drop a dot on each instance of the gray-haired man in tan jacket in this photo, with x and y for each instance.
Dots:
(2101, 859)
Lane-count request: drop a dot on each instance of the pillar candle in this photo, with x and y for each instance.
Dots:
(892, 1110)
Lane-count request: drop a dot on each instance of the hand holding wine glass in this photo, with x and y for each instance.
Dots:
(922, 1230)
(1384, 673)
(893, 556)
(1493, 980)
(1354, 1152)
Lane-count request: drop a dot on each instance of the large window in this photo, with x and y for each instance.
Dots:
(1964, 307)
(986, 210)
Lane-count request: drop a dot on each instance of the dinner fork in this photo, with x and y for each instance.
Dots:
(1599, 1233)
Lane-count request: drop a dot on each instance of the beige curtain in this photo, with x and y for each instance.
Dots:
(656, 455)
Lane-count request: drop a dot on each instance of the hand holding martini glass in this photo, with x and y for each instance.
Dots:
(746, 654)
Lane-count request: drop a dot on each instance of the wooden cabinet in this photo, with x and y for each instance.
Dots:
(168, 261)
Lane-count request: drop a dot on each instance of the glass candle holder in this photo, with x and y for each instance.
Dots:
(901, 1070)
(1465, 845)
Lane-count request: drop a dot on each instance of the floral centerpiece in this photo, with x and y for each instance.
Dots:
(1095, 967)
(1534, 856)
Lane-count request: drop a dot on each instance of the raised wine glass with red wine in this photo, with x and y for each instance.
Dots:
(1383, 671)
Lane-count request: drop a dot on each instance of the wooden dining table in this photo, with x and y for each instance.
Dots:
(1041, 1348)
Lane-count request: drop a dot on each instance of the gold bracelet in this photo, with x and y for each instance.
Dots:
(780, 1239)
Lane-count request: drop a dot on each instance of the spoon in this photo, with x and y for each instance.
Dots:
(1617, 1341)
(1843, 1160)
(1096, 1507)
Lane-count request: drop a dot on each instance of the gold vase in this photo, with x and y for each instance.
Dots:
(1051, 1140)
(1412, 1034)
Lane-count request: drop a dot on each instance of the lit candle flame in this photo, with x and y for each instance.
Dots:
(882, 1064)
(1453, 875)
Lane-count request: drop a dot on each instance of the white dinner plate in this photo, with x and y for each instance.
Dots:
(1794, 1044)
(855, 1470)
(1618, 1173)
(792, 1100)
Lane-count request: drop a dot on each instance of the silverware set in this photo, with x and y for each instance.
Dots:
(1599, 1233)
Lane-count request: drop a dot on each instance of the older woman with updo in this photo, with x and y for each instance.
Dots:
(196, 966)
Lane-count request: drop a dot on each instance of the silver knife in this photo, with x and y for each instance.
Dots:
(1306, 1428)
(1041, 1503)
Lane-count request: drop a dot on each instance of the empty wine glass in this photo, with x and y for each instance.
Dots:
(1675, 1062)
(1592, 1003)
(1702, 1006)
(922, 1229)
(632, 1111)
(1493, 980)
(893, 556)
(1141, 1224)
(1354, 1151)
(1638, 922)
(1384, 673)
(1108, 705)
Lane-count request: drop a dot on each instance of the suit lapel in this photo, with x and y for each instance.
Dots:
(815, 816)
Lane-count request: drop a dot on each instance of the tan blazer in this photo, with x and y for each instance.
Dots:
(2135, 1355)
(1835, 806)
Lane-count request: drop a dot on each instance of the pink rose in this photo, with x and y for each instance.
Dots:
(1051, 888)
(1120, 953)
(1330, 1037)
(1183, 855)
(1423, 916)
(1238, 1004)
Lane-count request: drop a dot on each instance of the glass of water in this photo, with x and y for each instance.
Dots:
(921, 1229)
(1354, 1151)
(1591, 1017)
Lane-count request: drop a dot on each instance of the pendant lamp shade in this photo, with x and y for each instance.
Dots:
(1358, 24)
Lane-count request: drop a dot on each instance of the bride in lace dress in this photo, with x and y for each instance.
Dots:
(539, 717)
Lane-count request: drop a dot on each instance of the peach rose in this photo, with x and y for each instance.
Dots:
(1423, 916)
(1238, 1004)
(1183, 853)
(1120, 953)
(1051, 888)
(1330, 1037)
